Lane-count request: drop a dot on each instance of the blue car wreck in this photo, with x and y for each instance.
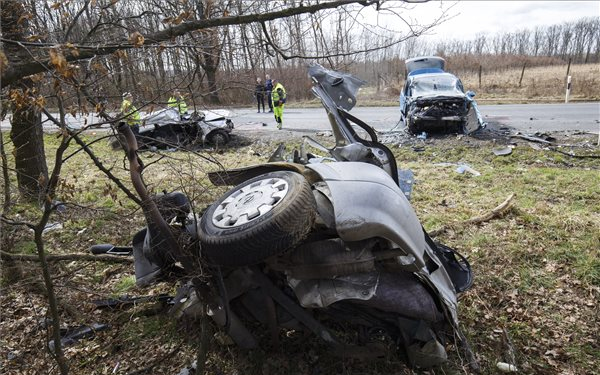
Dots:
(435, 101)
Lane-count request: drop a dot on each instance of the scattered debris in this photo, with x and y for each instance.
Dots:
(422, 136)
(406, 180)
(461, 168)
(326, 133)
(503, 151)
(50, 227)
(72, 335)
(506, 367)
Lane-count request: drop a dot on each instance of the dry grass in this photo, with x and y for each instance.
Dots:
(540, 84)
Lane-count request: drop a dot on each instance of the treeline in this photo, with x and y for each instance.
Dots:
(219, 65)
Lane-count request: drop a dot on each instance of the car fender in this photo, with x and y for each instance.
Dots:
(367, 203)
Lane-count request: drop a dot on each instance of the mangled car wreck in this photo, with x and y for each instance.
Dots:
(314, 243)
(167, 129)
(435, 101)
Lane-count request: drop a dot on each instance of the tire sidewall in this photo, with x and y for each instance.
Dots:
(294, 181)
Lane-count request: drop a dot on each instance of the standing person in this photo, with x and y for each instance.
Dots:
(259, 92)
(129, 113)
(178, 102)
(269, 89)
(278, 98)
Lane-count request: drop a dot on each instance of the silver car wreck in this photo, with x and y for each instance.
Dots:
(435, 101)
(327, 244)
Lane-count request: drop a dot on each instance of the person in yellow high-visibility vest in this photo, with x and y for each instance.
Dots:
(130, 113)
(278, 99)
(178, 102)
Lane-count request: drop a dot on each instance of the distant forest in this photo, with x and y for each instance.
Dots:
(219, 65)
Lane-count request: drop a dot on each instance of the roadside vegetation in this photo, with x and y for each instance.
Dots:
(537, 273)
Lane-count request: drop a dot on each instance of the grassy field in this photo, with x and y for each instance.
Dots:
(543, 84)
(537, 268)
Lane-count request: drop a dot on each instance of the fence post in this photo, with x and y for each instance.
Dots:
(522, 73)
(568, 89)
(479, 75)
(568, 67)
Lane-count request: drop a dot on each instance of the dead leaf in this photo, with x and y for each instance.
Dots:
(3, 61)
(58, 59)
(136, 39)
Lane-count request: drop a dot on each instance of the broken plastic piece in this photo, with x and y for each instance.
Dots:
(462, 168)
(506, 367)
(503, 151)
(73, 335)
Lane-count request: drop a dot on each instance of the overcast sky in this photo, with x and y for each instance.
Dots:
(472, 17)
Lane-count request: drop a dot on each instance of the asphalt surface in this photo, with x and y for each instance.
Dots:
(527, 118)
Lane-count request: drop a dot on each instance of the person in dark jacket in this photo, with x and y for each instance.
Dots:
(269, 89)
(259, 93)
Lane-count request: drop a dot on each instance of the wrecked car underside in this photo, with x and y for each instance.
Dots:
(322, 243)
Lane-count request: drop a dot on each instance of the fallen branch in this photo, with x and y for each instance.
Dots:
(496, 212)
(66, 257)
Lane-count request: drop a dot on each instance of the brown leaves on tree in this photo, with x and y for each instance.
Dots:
(3, 62)
(179, 19)
(58, 60)
(136, 39)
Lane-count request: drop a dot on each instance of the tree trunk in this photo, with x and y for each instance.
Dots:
(26, 133)
(30, 157)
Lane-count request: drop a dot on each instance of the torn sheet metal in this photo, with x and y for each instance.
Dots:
(318, 293)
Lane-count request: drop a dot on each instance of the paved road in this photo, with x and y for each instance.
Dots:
(528, 118)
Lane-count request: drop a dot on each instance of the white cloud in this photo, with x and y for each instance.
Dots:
(472, 17)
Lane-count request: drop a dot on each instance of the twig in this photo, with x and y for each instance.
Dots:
(66, 257)
(496, 212)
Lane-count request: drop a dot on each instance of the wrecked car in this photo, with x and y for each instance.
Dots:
(166, 129)
(314, 240)
(435, 101)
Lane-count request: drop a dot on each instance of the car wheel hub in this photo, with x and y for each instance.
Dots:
(250, 202)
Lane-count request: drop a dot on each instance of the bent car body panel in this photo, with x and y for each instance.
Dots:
(383, 211)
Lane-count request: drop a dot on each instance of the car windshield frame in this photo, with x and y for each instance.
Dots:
(436, 85)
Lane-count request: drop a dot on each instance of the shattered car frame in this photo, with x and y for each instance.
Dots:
(166, 129)
(435, 101)
(306, 240)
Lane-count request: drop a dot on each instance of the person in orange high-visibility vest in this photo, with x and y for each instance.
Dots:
(278, 99)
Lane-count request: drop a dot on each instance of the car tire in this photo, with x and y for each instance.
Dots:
(264, 216)
(218, 138)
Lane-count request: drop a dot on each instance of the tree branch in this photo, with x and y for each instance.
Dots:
(496, 212)
(14, 72)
